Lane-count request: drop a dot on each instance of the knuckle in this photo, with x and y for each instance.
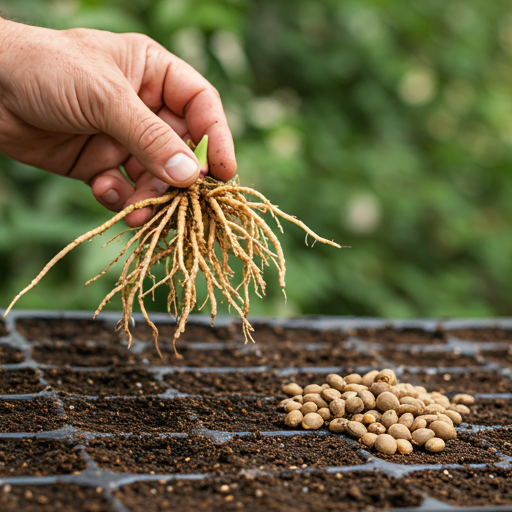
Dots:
(153, 135)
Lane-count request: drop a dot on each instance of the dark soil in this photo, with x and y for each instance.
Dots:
(124, 415)
(35, 415)
(15, 382)
(53, 498)
(3, 328)
(38, 457)
(502, 357)
(409, 336)
(480, 334)
(500, 438)
(489, 411)
(359, 491)
(463, 450)
(9, 355)
(235, 414)
(467, 382)
(110, 383)
(431, 359)
(466, 487)
(198, 454)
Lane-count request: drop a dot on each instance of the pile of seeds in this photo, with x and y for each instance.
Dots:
(377, 410)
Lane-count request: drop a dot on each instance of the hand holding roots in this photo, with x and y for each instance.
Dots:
(192, 231)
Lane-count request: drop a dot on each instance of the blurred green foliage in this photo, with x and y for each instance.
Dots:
(384, 125)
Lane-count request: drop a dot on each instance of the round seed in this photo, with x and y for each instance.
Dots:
(377, 414)
(354, 405)
(376, 428)
(292, 406)
(464, 399)
(325, 413)
(422, 435)
(369, 439)
(337, 408)
(454, 416)
(353, 378)
(442, 400)
(387, 401)
(406, 408)
(445, 418)
(385, 444)
(368, 419)
(387, 376)
(348, 394)
(399, 391)
(406, 419)
(379, 387)
(335, 381)
(357, 417)
(368, 399)
(355, 387)
(325, 386)
(356, 429)
(443, 430)
(460, 408)
(312, 388)
(399, 431)
(429, 418)
(425, 398)
(433, 408)
(312, 421)
(293, 419)
(292, 389)
(389, 418)
(404, 446)
(338, 425)
(435, 445)
(420, 389)
(369, 378)
(330, 394)
(316, 399)
(417, 424)
(297, 398)
(283, 403)
(308, 407)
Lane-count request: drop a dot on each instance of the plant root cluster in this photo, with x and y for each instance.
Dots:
(194, 230)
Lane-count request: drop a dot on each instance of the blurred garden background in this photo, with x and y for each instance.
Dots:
(384, 125)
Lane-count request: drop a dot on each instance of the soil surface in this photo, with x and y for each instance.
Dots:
(500, 438)
(467, 487)
(413, 357)
(480, 334)
(35, 415)
(38, 457)
(490, 411)
(198, 454)
(358, 491)
(15, 382)
(409, 336)
(9, 355)
(3, 329)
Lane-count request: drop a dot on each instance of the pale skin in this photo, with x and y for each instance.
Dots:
(81, 103)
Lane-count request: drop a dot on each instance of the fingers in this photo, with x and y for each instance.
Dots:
(111, 189)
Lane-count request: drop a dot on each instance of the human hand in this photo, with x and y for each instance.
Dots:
(82, 102)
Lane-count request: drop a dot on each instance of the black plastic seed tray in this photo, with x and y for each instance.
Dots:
(86, 424)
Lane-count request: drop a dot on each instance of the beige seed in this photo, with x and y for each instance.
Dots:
(399, 391)
(387, 376)
(418, 423)
(292, 389)
(443, 430)
(338, 425)
(379, 387)
(404, 446)
(420, 389)
(354, 405)
(335, 381)
(312, 421)
(355, 387)
(369, 439)
(292, 406)
(442, 400)
(460, 408)
(337, 408)
(316, 399)
(454, 416)
(429, 418)
(464, 399)
(282, 403)
(445, 418)
(411, 390)
(369, 378)
(399, 431)
(325, 413)
(348, 394)
(325, 386)
(368, 419)
(385, 444)
(376, 428)
(330, 394)
(377, 414)
(353, 378)
(308, 407)
(422, 435)
(433, 408)
(426, 398)
(387, 401)
(297, 398)
(406, 419)
(357, 417)
(389, 418)
(312, 388)
(356, 429)
(293, 419)
(435, 445)
(368, 399)
(406, 408)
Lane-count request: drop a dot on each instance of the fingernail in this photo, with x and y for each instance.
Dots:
(111, 196)
(180, 167)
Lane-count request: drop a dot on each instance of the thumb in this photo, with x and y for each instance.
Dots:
(154, 144)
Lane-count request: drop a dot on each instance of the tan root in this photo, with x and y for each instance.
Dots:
(194, 230)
